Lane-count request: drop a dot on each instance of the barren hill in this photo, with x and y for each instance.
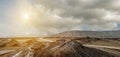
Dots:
(92, 34)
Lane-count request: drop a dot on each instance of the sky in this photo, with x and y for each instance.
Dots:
(47, 17)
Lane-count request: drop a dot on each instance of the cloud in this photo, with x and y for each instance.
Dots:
(61, 15)
(48, 21)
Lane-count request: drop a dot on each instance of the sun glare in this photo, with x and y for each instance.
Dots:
(26, 16)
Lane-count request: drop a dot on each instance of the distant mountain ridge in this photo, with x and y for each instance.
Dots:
(94, 34)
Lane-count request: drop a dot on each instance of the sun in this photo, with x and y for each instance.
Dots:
(26, 16)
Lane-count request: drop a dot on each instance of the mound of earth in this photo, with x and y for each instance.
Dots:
(71, 49)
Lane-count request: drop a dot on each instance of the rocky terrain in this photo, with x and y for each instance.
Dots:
(60, 45)
(58, 48)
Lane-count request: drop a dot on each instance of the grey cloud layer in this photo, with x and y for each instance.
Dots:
(93, 14)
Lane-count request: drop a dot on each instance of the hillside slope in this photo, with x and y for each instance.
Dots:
(93, 34)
